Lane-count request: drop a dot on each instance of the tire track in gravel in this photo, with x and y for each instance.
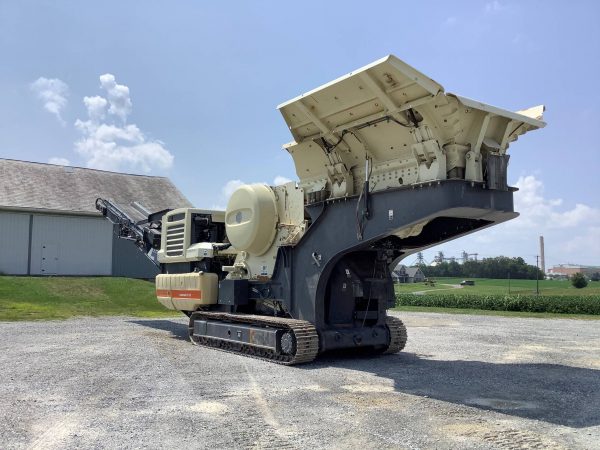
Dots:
(279, 436)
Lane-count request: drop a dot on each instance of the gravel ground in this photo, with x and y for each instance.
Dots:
(462, 382)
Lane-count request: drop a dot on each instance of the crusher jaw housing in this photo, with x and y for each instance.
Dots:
(388, 165)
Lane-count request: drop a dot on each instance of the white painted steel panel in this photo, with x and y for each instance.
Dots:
(14, 243)
(83, 245)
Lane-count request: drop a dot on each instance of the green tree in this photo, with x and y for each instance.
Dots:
(595, 276)
(579, 280)
(496, 267)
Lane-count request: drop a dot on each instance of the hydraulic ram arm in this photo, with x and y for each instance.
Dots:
(146, 234)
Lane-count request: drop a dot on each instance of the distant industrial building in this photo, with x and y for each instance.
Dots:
(49, 224)
(566, 270)
(403, 274)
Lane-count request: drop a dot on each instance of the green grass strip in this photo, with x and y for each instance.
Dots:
(38, 298)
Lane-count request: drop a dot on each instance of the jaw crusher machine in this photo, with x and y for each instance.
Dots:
(388, 164)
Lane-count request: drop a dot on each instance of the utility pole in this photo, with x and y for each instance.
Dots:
(537, 274)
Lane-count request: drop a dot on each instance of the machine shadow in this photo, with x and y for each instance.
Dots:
(553, 393)
(177, 330)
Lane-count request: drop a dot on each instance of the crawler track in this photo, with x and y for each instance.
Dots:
(398, 336)
(306, 339)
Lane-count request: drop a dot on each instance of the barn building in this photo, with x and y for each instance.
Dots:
(49, 224)
(404, 274)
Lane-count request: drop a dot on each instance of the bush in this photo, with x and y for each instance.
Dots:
(568, 304)
(579, 280)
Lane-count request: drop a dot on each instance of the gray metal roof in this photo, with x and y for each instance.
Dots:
(412, 271)
(38, 186)
(399, 270)
(402, 270)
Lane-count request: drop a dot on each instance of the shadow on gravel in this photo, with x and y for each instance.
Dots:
(177, 330)
(553, 393)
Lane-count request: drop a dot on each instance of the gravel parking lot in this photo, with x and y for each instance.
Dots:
(462, 382)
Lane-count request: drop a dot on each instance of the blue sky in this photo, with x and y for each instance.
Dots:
(194, 88)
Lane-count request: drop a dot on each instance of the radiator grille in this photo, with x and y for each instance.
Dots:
(175, 239)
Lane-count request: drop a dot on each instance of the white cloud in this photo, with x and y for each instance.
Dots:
(117, 146)
(537, 211)
(279, 180)
(118, 96)
(571, 232)
(96, 107)
(53, 93)
(59, 161)
(585, 243)
(226, 191)
(230, 187)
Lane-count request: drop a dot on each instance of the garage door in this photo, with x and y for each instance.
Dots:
(14, 243)
(71, 245)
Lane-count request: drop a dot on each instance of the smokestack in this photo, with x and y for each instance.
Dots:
(542, 254)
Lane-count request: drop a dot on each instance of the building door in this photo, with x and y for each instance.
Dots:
(49, 263)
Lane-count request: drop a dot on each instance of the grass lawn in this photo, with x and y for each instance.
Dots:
(495, 286)
(30, 298)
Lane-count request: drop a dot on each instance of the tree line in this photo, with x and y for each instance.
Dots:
(498, 267)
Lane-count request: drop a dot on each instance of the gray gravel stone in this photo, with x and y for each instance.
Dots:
(462, 382)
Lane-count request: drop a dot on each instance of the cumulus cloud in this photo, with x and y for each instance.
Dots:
(226, 191)
(96, 107)
(537, 211)
(230, 187)
(587, 242)
(571, 232)
(118, 96)
(108, 142)
(279, 180)
(59, 161)
(53, 93)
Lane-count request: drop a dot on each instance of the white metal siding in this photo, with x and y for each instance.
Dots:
(14, 243)
(81, 245)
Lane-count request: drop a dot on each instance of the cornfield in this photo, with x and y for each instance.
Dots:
(527, 303)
